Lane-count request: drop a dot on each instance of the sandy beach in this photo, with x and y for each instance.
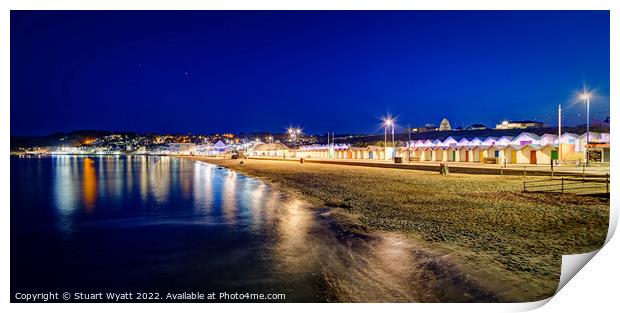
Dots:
(506, 241)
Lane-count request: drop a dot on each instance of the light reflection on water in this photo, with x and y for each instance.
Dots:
(159, 223)
(208, 225)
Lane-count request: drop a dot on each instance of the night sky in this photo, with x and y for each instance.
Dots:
(210, 71)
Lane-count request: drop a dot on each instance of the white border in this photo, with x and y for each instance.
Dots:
(594, 287)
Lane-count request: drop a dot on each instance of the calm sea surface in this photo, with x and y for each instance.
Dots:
(160, 224)
(153, 224)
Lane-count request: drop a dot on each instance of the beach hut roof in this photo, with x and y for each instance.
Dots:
(592, 135)
(549, 136)
(526, 134)
(482, 147)
(219, 144)
(500, 147)
(489, 141)
(515, 147)
(450, 140)
(572, 135)
(534, 146)
(270, 146)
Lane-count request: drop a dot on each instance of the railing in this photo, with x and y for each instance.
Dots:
(583, 171)
(568, 185)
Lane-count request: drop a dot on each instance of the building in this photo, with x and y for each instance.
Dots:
(181, 148)
(445, 125)
(275, 149)
(425, 128)
(519, 125)
(477, 127)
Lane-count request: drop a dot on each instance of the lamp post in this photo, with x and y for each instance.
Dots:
(586, 96)
(393, 145)
(389, 122)
(409, 144)
(385, 137)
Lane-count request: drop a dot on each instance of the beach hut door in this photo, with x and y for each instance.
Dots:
(533, 157)
(513, 156)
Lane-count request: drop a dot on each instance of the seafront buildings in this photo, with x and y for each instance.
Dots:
(504, 145)
(524, 148)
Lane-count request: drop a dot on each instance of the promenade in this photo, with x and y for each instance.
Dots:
(592, 171)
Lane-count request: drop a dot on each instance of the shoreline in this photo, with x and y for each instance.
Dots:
(346, 229)
(514, 276)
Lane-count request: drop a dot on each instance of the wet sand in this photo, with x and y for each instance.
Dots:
(419, 236)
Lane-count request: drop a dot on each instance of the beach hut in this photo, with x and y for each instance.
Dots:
(374, 152)
(451, 153)
(548, 139)
(532, 154)
(427, 154)
(513, 154)
(439, 154)
(496, 151)
(403, 152)
(545, 154)
(479, 152)
(465, 154)
(569, 150)
(416, 153)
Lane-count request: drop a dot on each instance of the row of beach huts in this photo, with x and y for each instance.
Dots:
(525, 148)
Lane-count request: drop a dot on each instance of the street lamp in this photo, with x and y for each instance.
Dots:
(586, 97)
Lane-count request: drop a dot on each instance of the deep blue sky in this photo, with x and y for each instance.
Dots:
(218, 71)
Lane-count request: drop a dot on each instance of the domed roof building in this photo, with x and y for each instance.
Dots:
(445, 125)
